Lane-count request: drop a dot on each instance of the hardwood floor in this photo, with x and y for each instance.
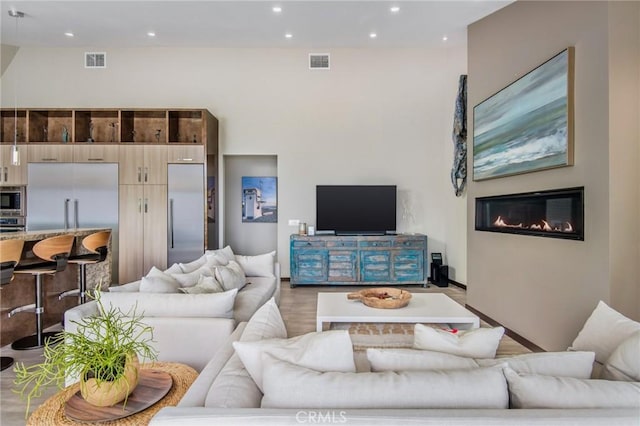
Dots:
(298, 309)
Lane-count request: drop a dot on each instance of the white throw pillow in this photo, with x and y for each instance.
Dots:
(220, 256)
(204, 285)
(157, 281)
(291, 386)
(173, 269)
(624, 362)
(320, 351)
(265, 323)
(476, 343)
(257, 266)
(603, 332)
(568, 364)
(190, 279)
(215, 305)
(538, 391)
(185, 268)
(230, 276)
(413, 359)
(132, 287)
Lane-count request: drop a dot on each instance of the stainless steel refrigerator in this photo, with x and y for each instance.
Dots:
(186, 212)
(74, 195)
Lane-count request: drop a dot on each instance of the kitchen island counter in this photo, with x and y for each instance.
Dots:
(21, 290)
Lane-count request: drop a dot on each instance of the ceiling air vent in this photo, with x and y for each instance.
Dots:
(95, 59)
(318, 61)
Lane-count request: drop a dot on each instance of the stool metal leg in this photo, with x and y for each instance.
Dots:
(83, 283)
(37, 340)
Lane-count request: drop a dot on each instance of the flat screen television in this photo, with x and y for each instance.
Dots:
(356, 209)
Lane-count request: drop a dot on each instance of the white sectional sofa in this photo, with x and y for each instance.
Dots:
(293, 387)
(190, 328)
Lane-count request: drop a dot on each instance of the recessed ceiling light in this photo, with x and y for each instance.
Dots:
(288, 35)
(445, 38)
(276, 9)
(69, 34)
(394, 9)
(151, 34)
(373, 35)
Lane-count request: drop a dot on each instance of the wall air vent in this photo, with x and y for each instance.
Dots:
(318, 61)
(95, 59)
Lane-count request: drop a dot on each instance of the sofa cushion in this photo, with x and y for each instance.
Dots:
(624, 362)
(234, 387)
(253, 295)
(291, 386)
(230, 276)
(189, 279)
(257, 266)
(538, 391)
(603, 332)
(132, 287)
(185, 268)
(157, 281)
(204, 285)
(568, 364)
(266, 323)
(476, 343)
(215, 305)
(220, 256)
(413, 359)
(173, 269)
(320, 351)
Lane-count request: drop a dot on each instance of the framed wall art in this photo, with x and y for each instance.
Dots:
(528, 125)
(259, 199)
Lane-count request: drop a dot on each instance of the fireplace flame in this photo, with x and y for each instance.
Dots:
(544, 226)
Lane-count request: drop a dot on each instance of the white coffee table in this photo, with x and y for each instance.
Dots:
(434, 308)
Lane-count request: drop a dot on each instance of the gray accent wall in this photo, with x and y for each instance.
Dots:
(543, 288)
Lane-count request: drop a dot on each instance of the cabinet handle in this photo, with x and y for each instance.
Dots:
(139, 205)
(185, 159)
(6, 174)
(95, 159)
(146, 174)
(139, 174)
(171, 220)
(49, 159)
(146, 205)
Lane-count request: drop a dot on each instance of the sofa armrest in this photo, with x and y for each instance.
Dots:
(197, 392)
(276, 293)
(74, 315)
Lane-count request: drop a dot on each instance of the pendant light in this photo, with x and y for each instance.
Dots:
(15, 154)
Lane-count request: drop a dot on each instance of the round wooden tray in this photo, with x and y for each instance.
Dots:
(152, 387)
(383, 297)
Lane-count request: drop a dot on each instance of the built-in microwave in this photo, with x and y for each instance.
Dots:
(12, 201)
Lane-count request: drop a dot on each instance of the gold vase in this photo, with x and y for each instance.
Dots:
(105, 393)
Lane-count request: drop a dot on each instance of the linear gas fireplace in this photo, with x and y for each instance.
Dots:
(555, 214)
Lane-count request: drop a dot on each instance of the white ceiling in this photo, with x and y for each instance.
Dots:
(241, 23)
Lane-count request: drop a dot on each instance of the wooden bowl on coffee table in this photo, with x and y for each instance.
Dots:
(382, 297)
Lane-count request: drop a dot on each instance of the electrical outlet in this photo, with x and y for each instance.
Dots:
(294, 222)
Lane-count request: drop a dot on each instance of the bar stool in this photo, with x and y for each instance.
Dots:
(10, 253)
(54, 252)
(96, 244)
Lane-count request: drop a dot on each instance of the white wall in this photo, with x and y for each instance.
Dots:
(246, 238)
(379, 116)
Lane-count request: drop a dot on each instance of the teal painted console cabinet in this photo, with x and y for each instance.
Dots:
(358, 260)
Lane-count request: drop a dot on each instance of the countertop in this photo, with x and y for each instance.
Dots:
(47, 233)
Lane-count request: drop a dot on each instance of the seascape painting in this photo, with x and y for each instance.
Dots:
(527, 126)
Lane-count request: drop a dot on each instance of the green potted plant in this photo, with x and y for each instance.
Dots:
(102, 352)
